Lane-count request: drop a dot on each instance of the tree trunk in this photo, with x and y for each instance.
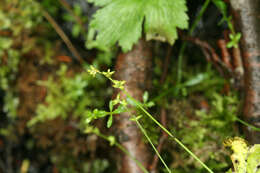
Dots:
(247, 18)
(132, 67)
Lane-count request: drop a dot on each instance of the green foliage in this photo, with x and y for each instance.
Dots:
(70, 165)
(205, 132)
(136, 119)
(99, 166)
(234, 37)
(245, 159)
(96, 114)
(201, 79)
(113, 142)
(25, 15)
(11, 104)
(234, 40)
(8, 71)
(223, 114)
(137, 105)
(17, 18)
(146, 102)
(116, 83)
(121, 21)
(147, 123)
(81, 97)
(52, 6)
(195, 80)
(69, 96)
(78, 27)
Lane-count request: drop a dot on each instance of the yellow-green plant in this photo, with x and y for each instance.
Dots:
(245, 159)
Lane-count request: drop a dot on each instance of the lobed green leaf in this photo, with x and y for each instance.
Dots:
(121, 21)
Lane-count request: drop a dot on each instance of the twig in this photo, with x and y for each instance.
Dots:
(224, 53)
(62, 35)
(208, 50)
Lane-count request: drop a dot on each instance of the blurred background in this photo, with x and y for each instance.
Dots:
(46, 93)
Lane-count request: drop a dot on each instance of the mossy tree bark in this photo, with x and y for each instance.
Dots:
(132, 67)
(247, 18)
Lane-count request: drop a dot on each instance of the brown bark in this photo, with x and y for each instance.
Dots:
(133, 67)
(246, 12)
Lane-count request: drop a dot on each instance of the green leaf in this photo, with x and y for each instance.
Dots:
(136, 118)
(77, 9)
(244, 158)
(76, 30)
(112, 140)
(221, 6)
(120, 109)
(230, 44)
(108, 74)
(120, 21)
(118, 84)
(110, 121)
(253, 159)
(196, 79)
(68, 17)
(237, 36)
(150, 104)
(89, 129)
(162, 17)
(5, 43)
(131, 102)
(111, 105)
(237, 144)
(145, 97)
(99, 113)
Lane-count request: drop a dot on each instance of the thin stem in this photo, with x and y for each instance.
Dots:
(193, 155)
(154, 148)
(247, 124)
(139, 105)
(63, 36)
(148, 114)
(168, 132)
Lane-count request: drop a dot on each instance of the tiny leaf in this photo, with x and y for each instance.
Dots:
(150, 104)
(110, 121)
(145, 96)
(119, 110)
(221, 6)
(111, 105)
(111, 140)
